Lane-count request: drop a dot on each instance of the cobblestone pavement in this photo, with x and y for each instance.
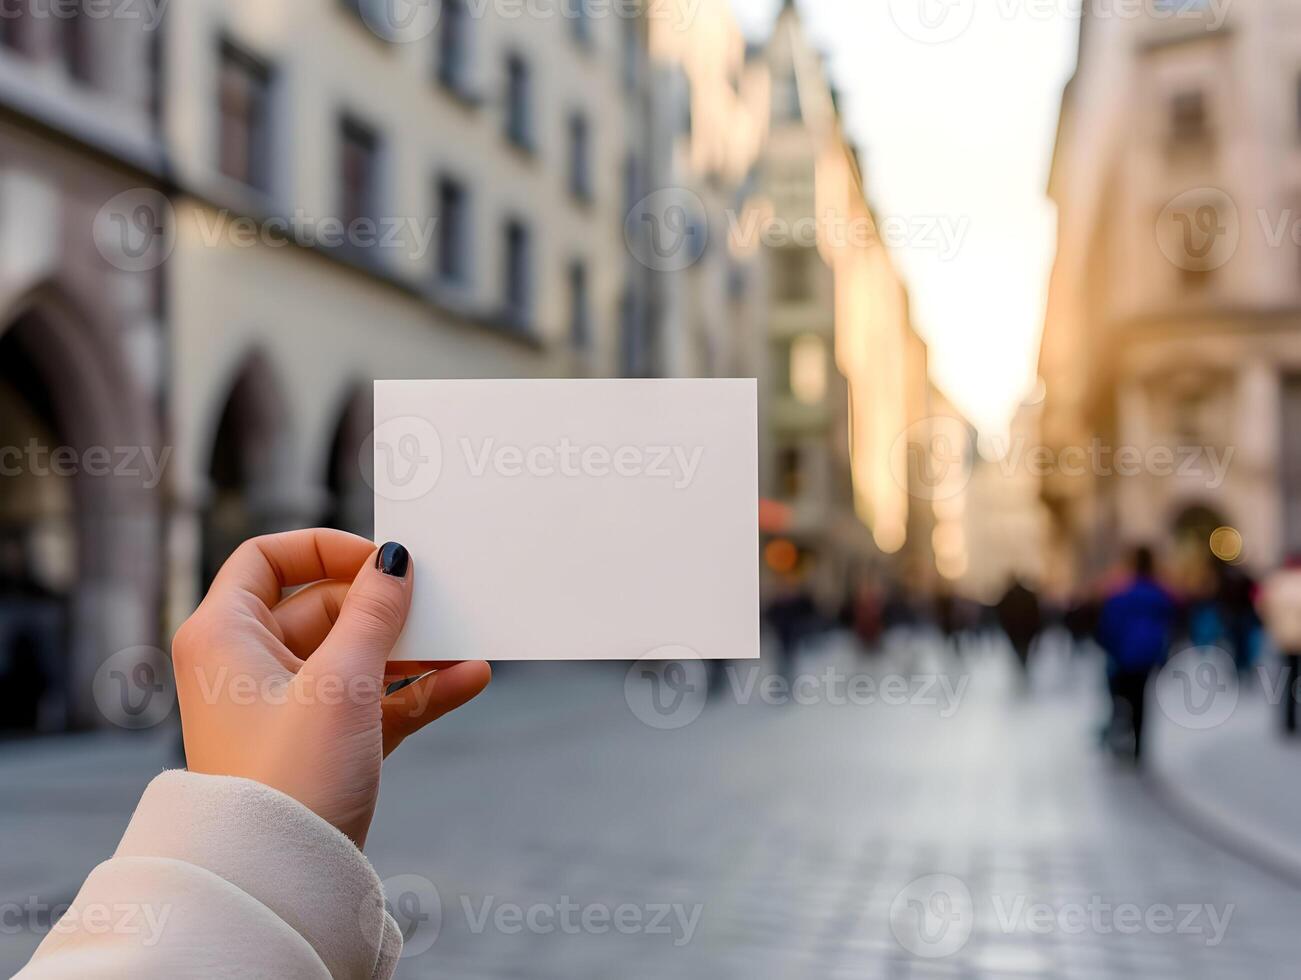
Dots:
(893, 828)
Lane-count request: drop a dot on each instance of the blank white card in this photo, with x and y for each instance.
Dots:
(573, 520)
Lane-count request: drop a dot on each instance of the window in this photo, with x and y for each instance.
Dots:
(1188, 118)
(243, 138)
(631, 186)
(580, 21)
(16, 29)
(631, 61)
(580, 327)
(580, 168)
(518, 284)
(790, 472)
(76, 43)
(786, 104)
(519, 125)
(453, 44)
(453, 232)
(358, 171)
(793, 274)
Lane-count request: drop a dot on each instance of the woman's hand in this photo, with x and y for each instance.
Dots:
(290, 691)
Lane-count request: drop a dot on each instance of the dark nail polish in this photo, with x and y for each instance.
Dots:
(393, 559)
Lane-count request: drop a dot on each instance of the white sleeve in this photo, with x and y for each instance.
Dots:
(224, 877)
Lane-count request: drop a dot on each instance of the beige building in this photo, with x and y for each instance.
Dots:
(450, 205)
(1172, 349)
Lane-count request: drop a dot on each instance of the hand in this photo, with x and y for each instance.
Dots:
(291, 691)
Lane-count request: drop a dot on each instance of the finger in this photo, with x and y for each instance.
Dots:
(371, 619)
(306, 617)
(430, 697)
(261, 568)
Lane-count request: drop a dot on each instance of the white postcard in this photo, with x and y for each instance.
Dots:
(573, 520)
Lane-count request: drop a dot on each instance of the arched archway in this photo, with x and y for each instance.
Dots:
(80, 512)
(348, 473)
(248, 464)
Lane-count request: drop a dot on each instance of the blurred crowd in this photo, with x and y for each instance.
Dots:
(1135, 617)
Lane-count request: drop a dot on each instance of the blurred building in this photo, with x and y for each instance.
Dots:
(218, 227)
(474, 163)
(1173, 330)
(82, 354)
(845, 373)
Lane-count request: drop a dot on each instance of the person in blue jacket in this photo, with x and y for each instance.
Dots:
(1135, 629)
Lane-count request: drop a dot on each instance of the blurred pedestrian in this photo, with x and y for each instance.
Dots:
(1234, 593)
(1021, 618)
(1280, 607)
(1135, 629)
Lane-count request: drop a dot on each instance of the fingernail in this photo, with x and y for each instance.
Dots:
(393, 559)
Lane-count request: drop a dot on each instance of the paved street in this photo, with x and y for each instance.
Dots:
(964, 833)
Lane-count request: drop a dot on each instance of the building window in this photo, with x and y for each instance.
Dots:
(580, 164)
(243, 138)
(453, 232)
(631, 61)
(790, 472)
(580, 326)
(580, 22)
(16, 29)
(519, 96)
(793, 274)
(518, 274)
(1188, 118)
(786, 104)
(76, 41)
(453, 45)
(358, 171)
(808, 369)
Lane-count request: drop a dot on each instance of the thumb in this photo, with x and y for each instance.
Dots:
(371, 618)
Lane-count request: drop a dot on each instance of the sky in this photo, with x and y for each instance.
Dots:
(954, 105)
